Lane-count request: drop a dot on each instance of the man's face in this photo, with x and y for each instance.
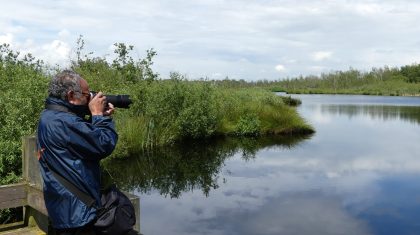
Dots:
(80, 98)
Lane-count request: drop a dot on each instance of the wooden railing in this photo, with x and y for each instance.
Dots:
(28, 194)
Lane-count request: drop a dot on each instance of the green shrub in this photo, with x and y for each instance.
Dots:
(248, 125)
(24, 87)
(198, 117)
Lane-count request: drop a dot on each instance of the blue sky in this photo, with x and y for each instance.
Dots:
(242, 39)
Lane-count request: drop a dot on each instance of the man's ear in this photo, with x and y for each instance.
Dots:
(70, 96)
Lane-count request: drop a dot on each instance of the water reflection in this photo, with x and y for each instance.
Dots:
(382, 108)
(291, 214)
(377, 112)
(188, 166)
(358, 174)
(396, 210)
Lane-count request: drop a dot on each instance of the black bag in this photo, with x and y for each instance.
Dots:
(117, 214)
(115, 217)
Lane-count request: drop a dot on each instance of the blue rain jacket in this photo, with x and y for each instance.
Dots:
(74, 148)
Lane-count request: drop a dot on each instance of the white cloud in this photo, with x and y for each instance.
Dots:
(54, 52)
(368, 8)
(217, 76)
(316, 69)
(280, 67)
(6, 39)
(321, 55)
(64, 33)
(59, 48)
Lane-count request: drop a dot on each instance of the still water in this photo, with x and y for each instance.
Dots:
(358, 174)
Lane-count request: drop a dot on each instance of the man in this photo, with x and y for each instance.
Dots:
(73, 147)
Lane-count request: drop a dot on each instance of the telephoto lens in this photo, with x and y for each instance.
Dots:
(119, 101)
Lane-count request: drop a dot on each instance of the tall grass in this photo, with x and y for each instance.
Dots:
(254, 111)
(169, 111)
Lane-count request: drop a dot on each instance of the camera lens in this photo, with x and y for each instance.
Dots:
(119, 101)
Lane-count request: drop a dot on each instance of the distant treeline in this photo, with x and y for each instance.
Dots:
(404, 81)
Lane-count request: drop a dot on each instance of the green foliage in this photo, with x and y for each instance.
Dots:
(411, 72)
(248, 125)
(291, 101)
(198, 117)
(170, 110)
(11, 215)
(118, 75)
(24, 87)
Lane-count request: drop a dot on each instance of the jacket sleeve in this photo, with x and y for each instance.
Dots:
(92, 141)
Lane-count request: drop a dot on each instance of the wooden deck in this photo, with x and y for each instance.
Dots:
(28, 194)
(21, 229)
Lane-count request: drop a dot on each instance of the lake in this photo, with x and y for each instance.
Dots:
(358, 174)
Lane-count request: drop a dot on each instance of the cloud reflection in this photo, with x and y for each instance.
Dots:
(357, 175)
(292, 214)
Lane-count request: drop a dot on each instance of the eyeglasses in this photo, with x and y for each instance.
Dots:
(85, 94)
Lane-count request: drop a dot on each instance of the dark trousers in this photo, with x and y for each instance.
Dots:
(85, 230)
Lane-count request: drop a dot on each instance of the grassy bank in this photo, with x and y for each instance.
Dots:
(168, 111)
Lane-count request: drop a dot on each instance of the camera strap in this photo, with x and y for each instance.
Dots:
(84, 197)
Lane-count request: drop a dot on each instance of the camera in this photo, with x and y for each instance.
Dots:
(119, 101)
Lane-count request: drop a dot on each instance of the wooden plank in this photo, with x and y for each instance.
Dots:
(34, 218)
(35, 199)
(30, 165)
(136, 203)
(24, 231)
(13, 195)
(11, 226)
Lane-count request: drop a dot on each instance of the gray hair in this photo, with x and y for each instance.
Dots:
(63, 82)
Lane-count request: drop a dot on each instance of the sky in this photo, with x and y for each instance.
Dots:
(215, 39)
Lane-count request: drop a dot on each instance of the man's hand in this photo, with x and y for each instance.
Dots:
(109, 110)
(97, 104)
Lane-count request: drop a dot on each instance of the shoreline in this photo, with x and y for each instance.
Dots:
(348, 93)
